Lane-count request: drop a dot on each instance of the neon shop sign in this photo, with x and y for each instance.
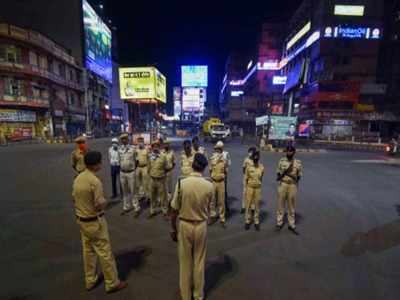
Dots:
(351, 32)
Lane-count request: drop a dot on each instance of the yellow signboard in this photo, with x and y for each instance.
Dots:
(145, 83)
(299, 35)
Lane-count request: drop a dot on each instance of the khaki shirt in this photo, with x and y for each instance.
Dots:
(87, 191)
(142, 156)
(127, 156)
(247, 163)
(297, 170)
(193, 199)
(201, 150)
(78, 161)
(254, 176)
(186, 164)
(171, 159)
(158, 165)
(218, 167)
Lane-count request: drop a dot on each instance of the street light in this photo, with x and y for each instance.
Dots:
(101, 6)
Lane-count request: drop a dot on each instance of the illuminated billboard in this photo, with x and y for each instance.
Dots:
(145, 83)
(97, 43)
(349, 10)
(298, 35)
(194, 76)
(193, 99)
(353, 32)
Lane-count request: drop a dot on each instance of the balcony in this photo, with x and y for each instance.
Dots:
(30, 70)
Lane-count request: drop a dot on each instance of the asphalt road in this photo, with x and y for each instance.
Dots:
(348, 217)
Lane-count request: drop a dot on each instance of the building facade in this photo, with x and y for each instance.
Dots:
(41, 86)
(333, 62)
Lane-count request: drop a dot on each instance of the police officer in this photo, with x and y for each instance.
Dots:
(246, 163)
(142, 178)
(190, 203)
(196, 148)
(89, 205)
(227, 158)
(254, 175)
(127, 156)
(158, 168)
(187, 157)
(170, 154)
(113, 157)
(289, 173)
(77, 156)
(218, 172)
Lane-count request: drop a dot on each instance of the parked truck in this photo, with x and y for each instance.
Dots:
(214, 130)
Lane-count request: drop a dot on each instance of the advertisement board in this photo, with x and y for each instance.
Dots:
(282, 128)
(194, 76)
(145, 83)
(177, 108)
(353, 32)
(193, 99)
(349, 10)
(13, 115)
(97, 43)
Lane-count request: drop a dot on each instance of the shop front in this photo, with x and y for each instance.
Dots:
(76, 124)
(18, 125)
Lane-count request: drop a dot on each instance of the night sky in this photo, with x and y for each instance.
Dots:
(171, 33)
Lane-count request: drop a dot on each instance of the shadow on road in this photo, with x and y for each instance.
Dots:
(397, 206)
(131, 259)
(376, 240)
(218, 269)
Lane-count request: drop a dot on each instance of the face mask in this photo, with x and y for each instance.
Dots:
(82, 147)
(141, 145)
(289, 156)
(250, 154)
(115, 147)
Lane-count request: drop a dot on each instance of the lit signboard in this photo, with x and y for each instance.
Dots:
(299, 35)
(193, 99)
(249, 64)
(279, 80)
(177, 108)
(194, 76)
(236, 93)
(145, 83)
(269, 65)
(349, 10)
(353, 32)
(97, 43)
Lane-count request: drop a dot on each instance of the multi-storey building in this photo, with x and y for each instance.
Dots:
(41, 86)
(333, 62)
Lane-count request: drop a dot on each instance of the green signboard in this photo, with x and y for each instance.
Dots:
(282, 128)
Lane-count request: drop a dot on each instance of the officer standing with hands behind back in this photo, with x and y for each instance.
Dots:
(77, 156)
(190, 203)
(289, 173)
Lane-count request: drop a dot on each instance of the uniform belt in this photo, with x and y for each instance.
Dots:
(142, 166)
(191, 221)
(157, 178)
(128, 171)
(217, 181)
(87, 220)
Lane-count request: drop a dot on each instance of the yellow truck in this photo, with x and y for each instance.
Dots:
(215, 130)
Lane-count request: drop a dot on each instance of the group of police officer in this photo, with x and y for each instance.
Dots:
(147, 174)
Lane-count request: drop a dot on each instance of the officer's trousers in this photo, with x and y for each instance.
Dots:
(96, 244)
(170, 183)
(142, 181)
(192, 247)
(253, 199)
(219, 200)
(286, 197)
(128, 191)
(158, 188)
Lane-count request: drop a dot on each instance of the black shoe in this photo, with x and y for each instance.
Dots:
(124, 212)
(242, 211)
(279, 227)
(246, 226)
(212, 221)
(136, 214)
(257, 227)
(96, 284)
(150, 216)
(292, 229)
(114, 197)
(223, 225)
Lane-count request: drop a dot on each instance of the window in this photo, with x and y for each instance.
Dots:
(71, 99)
(33, 58)
(13, 87)
(10, 54)
(43, 64)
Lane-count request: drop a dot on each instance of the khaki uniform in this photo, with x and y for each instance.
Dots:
(218, 171)
(186, 164)
(192, 203)
(87, 192)
(287, 190)
(253, 192)
(142, 177)
(127, 177)
(170, 174)
(246, 163)
(158, 167)
(201, 150)
(78, 161)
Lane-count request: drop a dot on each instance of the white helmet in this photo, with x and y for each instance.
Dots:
(219, 145)
(114, 141)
